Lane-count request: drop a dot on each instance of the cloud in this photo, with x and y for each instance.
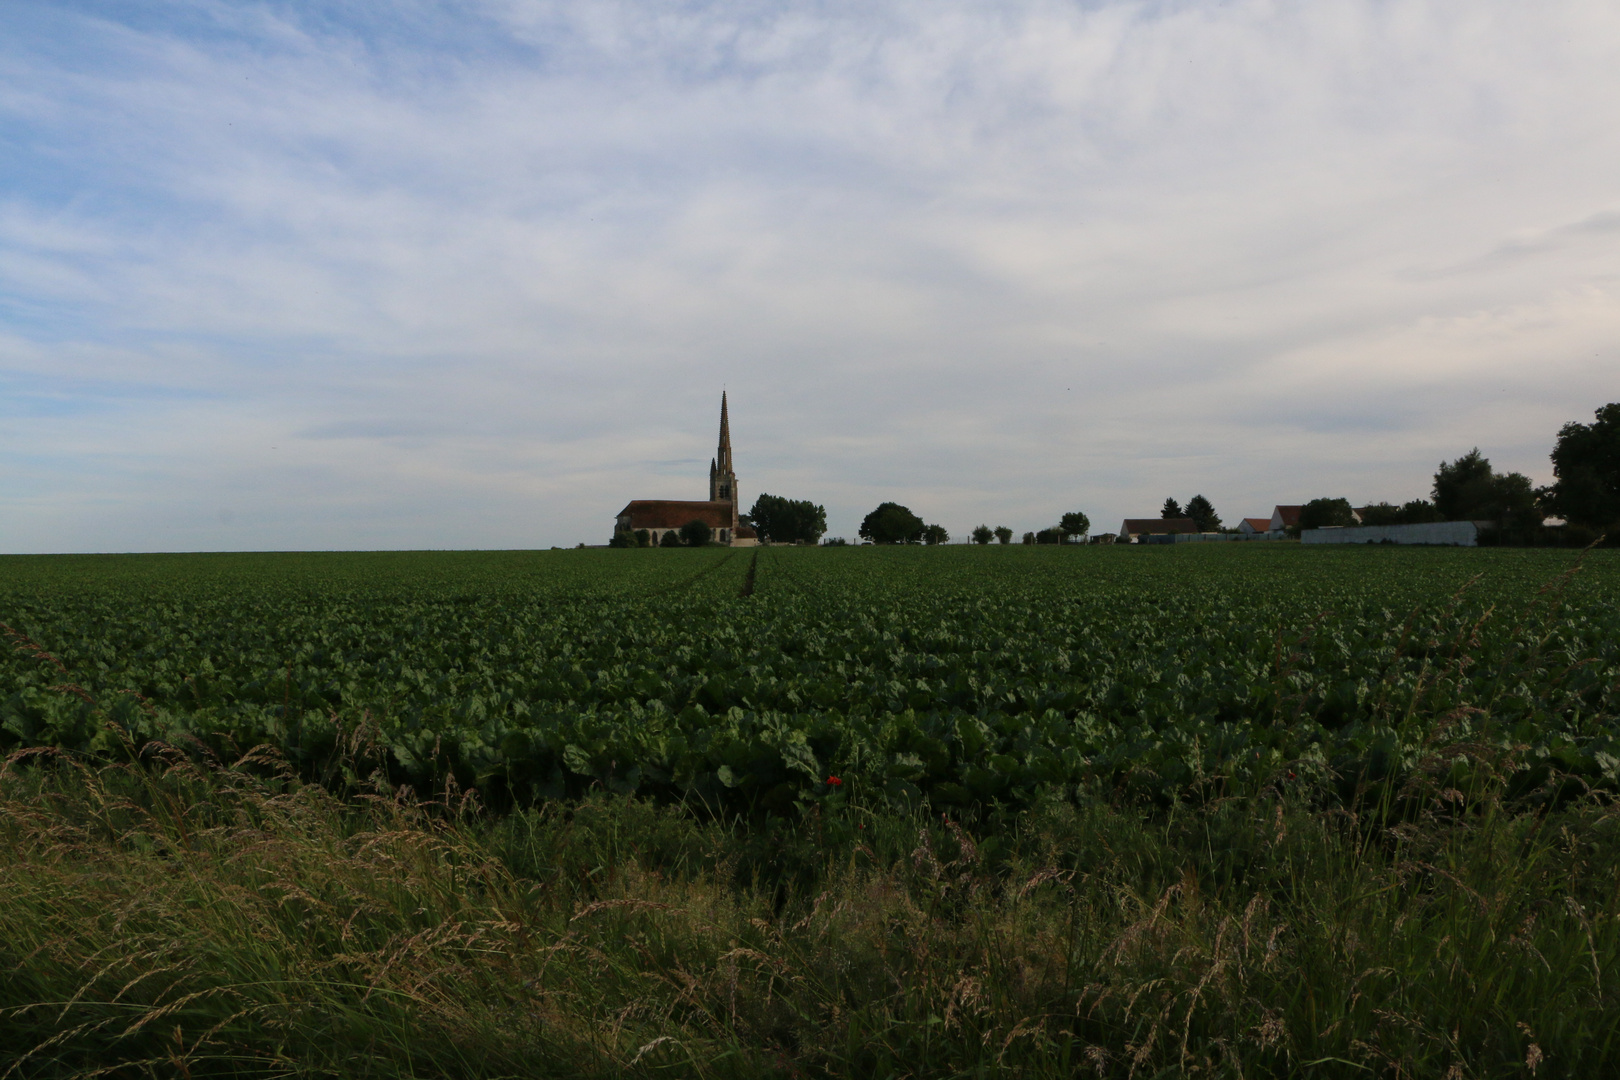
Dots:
(1530, 242)
(479, 271)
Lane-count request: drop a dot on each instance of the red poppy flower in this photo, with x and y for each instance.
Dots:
(834, 781)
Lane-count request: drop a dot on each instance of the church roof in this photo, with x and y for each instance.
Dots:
(673, 513)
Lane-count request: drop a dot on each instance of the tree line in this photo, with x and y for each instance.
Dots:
(1585, 492)
(892, 523)
(780, 520)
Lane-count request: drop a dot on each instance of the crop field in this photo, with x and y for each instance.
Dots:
(1226, 811)
(963, 676)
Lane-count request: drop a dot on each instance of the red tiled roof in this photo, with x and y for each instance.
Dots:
(1138, 526)
(1259, 524)
(672, 514)
(1290, 514)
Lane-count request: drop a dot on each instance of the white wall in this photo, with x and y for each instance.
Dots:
(1458, 533)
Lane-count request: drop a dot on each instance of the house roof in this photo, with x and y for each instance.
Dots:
(673, 513)
(1138, 526)
(1258, 524)
(1289, 514)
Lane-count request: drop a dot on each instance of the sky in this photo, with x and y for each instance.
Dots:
(473, 274)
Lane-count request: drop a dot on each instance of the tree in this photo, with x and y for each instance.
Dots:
(1462, 486)
(1074, 524)
(1586, 462)
(1029, 538)
(892, 523)
(983, 534)
(1418, 512)
(787, 521)
(1172, 509)
(1326, 514)
(643, 539)
(694, 533)
(1054, 535)
(1469, 490)
(1382, 513)
(1415, 512)
(622, 538)
(1205, 519)
(1004, 534)
(935, 534)
(670, 539)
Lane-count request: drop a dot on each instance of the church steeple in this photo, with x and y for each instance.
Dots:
(724, 457)
(722, 480)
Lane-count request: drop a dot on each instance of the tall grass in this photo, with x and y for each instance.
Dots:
(177, 917)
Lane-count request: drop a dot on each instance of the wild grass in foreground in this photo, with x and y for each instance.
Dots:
(176, 919)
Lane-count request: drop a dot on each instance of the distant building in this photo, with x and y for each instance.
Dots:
(1440, 533)
(1284, 517)
(718, 511)
(1134, 527)
(1254, 526)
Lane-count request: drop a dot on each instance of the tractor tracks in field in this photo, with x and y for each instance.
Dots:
(749, 579)
(688, 582)
(790, 577)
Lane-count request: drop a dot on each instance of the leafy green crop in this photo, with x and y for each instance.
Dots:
(963, 675)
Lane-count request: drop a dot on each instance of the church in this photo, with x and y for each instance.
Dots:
(718, 512)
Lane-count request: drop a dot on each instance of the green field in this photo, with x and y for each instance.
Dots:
(963, 676)
(1249, 810)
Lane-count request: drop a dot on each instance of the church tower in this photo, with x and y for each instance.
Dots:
(722, 481)
(655, 521)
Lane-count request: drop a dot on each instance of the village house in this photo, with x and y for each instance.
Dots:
(1284, 517)
(1135, 527)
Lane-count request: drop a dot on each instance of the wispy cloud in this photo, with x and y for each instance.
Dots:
(285, 274)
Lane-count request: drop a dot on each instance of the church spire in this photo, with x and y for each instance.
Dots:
(722, 481)
(723, 459)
